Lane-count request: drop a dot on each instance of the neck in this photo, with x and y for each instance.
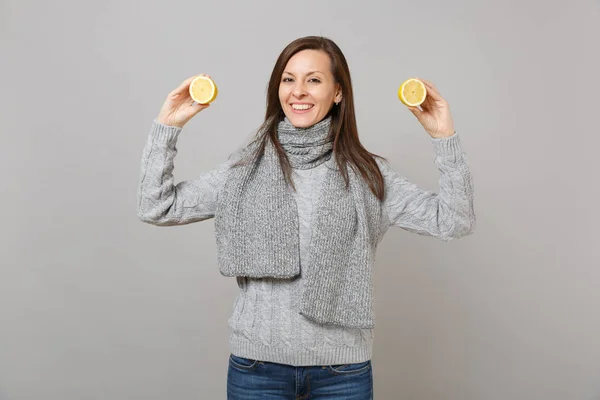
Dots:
(306, 147)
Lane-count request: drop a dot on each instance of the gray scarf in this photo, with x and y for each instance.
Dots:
(256, 227)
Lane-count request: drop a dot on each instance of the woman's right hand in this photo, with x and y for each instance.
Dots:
(179, 107)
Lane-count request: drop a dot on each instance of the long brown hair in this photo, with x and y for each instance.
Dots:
(347, 148)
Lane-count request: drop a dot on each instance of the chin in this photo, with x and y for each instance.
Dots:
(301, 124)
(302, 121)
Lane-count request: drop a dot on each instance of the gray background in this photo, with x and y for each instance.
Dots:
(94, 304)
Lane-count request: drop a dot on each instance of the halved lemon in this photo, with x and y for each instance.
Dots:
(412, 92)
(203, 90)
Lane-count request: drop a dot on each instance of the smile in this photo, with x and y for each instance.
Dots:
(302, 107)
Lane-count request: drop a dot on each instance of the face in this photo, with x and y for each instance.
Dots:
(307, 89)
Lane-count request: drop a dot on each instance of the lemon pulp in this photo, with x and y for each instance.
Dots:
(203, 90)
(412, 92)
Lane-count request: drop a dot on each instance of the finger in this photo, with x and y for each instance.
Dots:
(199, 105)
(194, 104)
(430, 86)
(432, 91)
(414, 110)
(426, 104)
(184, 86)
(428, 83)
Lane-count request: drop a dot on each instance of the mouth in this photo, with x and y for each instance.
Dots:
(301, 108)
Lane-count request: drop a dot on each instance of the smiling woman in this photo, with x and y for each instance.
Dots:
(303, 249)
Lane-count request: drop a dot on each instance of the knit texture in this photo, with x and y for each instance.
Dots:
(265, 323)
(257, 234)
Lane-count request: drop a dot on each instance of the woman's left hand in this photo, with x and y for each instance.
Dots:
(435, 117)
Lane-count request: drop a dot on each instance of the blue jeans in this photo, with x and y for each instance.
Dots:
(249, 379)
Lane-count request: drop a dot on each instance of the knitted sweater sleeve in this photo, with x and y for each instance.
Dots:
(163, 203)
(446, 215)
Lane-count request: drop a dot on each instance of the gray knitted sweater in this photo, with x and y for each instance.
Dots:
(265, 323)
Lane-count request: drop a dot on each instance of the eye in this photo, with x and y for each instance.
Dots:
(287, 80)
(316, 80)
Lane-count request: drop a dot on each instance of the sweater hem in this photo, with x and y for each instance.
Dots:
(300, 357)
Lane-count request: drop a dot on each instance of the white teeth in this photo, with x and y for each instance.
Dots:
(301, 106)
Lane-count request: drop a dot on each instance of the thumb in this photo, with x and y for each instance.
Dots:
(197, 107)
(415, 110)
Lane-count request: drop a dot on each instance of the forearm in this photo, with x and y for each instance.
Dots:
(448, 214)
(456, 214)
(160, 202)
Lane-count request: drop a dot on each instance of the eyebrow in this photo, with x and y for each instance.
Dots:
(311, 72)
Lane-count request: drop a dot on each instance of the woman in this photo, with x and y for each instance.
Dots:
(298, 216)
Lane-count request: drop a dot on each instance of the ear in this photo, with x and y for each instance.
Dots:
(338, 96)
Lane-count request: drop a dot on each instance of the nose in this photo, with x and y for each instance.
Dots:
(299, 89)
